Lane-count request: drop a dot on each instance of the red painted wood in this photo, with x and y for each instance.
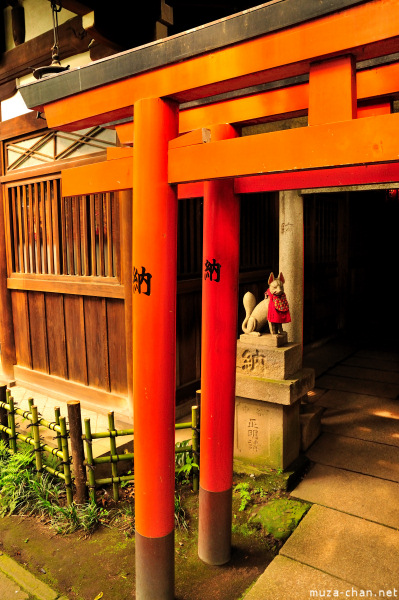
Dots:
(317, 178)
(219, 333)
(154, 310)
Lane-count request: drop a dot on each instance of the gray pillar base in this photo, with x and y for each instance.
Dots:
(155, 567)
(214, 533)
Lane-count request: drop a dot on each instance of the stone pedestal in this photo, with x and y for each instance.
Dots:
(270, 382)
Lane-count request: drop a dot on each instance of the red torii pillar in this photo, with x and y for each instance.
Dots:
(219, 336)
(154, 347)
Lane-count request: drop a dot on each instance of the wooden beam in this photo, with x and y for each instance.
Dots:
(346, 143)
(77, 7)
(125, 133)
(332, 90)
(240, 27)
(199, 136)
(381, 173)
(369, 29)
(287, 101)
(21, 125)
(92, 29)
(107, 176)
(317, 178)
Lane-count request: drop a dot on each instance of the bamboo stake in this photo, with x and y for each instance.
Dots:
(195, 446)
(36, 439)
(65, 458)
(28, 440)
(78, 457)
(116, 433)
(114, 480)
(3, 413)
(30, 404)
(11, 423)
(114, 468)
(57, 414)
(90, 461)
(114, 458)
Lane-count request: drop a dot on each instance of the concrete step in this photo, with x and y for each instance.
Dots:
(360, 456)
(348, 548)
(359, 495)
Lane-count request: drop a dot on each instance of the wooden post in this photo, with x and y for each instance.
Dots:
(65, 460)
(219, 337)
(7, 343)
(78, 457)
(90, 461)
(3, 413)
(36, 438)
(11, 423)
(114, 467)
(154, 347)
(195, 445)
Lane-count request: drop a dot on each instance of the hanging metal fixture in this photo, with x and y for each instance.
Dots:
(55, 66)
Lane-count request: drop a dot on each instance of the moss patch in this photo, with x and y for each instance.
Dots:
(280, 517)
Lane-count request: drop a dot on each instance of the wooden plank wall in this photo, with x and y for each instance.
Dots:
(73, 337)
(82, 338)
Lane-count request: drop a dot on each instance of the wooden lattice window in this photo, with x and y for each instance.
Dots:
(52, 235)
(51, 146)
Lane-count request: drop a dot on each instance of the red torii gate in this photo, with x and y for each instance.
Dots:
(338, 147)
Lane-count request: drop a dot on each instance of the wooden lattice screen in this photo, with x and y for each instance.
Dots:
(50, 234)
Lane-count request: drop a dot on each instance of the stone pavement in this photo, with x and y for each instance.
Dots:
(347, 546)
(16, 583)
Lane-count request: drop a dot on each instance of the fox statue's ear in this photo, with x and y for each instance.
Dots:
(281, 278)
(271, 278)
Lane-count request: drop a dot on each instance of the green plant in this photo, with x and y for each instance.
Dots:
(260, 491)
(184, 462)
(124, 484)
(24, 491)
(244, 492)
(180, 514)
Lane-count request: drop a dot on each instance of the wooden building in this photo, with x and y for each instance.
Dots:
(65, 268)
(66, 261)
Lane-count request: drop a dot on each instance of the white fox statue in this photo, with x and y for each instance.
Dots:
(258, 315)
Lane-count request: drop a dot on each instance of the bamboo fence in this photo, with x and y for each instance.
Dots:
(78, 453)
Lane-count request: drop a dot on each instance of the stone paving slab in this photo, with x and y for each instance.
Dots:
(353, 549)
(372, 363)
(358, 386)
(366, 374)
(11, 572)
(286, 579)
(378, 354)
(10, 590)
(380, 425)
(360, 495)
(354, 401)
(360, 456)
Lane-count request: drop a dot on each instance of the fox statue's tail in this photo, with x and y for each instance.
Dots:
(249, 302)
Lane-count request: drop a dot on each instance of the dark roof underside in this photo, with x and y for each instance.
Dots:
(240, 27)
